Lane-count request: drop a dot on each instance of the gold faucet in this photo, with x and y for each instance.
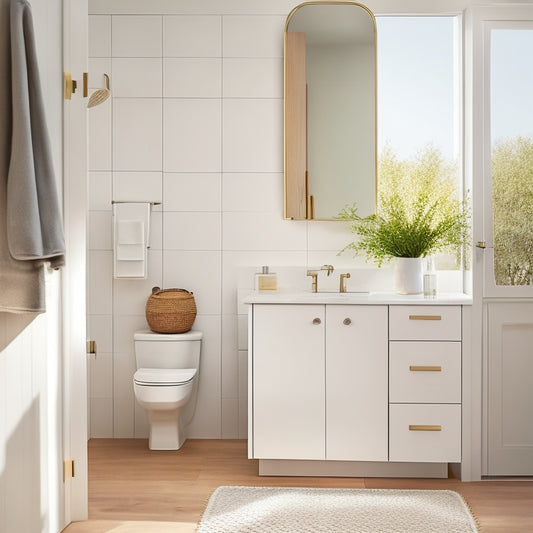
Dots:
(314, 276)
(342, 287)
(329, 268)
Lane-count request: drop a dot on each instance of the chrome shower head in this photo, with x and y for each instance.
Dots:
(100, 95)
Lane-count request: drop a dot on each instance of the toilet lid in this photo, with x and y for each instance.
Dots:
(164, 376)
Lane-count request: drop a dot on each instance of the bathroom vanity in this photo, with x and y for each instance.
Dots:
(355, 384)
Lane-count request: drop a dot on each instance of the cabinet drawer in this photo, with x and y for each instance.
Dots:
(425, 433)
(425, 322)
(425, 372)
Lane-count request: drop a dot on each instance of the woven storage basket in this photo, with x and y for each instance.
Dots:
(170, 310)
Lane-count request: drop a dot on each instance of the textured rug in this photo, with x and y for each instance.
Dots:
(315, 510)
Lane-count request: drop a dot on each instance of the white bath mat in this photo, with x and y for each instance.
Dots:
(316, 510)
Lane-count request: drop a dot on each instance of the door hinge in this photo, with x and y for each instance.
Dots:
(91, 347)
(68, 469)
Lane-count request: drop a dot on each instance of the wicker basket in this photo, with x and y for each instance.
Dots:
(170, 310)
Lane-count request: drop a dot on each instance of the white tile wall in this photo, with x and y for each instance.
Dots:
(195, 122)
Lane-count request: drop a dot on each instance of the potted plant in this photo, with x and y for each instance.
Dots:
(419, 214)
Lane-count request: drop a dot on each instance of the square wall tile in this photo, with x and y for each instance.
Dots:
(191, 231)
(100, 147)
(252, 192)
(192, 191)
(124, 326)
(137, 36)
(243, 394)
(137, 187)
(230, 362)
(230, 418)
(99, 282)
(100, 191)
(253, 78)
(101, 423)
(99, 35)
(98, 66)
(156, 230)
(253, 36)
(101, 370)
(123, 395)
(136, 134)
(100, 230)
(99, 329)
(137, 77)
(252, 135)
(191, 135)
(329, 235)
(206, 423)
(198, 272)
(192, 36)
(192, 77)
(262, 231)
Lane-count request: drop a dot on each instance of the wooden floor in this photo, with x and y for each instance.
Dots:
(134, 490)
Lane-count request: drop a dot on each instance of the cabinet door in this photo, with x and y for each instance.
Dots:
(357, 383)
(288, 382)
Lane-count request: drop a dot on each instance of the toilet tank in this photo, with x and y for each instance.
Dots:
(166, 350)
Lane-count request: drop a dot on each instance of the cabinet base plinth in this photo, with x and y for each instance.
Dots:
(280, 467)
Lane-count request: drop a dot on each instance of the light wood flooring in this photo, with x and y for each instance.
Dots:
(135, 490)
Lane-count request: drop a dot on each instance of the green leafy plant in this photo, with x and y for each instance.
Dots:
(419, 210)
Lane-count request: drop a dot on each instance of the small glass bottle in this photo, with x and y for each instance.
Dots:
(430, 279)
(266, 280)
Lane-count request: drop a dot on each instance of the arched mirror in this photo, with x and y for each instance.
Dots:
(330, 110)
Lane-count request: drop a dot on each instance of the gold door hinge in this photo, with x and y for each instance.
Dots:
(68, 469)
(91, 347)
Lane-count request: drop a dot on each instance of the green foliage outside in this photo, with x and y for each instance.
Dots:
(419, 210)
(512, 205)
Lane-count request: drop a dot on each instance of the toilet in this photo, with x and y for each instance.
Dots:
(166, 383)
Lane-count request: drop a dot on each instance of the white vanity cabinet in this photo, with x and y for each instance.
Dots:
(320, 382)
(355, 385)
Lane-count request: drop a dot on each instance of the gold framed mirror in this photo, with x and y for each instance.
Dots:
(330, 126)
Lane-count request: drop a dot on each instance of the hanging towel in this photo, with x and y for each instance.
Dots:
(131, 230)
(34, 226)
(31, 220)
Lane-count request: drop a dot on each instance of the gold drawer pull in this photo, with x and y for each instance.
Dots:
(424, 428)
(414, 368)
(425, 317)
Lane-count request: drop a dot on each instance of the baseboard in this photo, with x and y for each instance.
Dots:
(279, 467)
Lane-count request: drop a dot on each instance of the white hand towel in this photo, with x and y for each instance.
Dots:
(131, 231)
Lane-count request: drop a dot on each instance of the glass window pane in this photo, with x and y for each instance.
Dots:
(511, 116)
(419, 107)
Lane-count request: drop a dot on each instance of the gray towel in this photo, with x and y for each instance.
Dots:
(34, 227)
(31, 213)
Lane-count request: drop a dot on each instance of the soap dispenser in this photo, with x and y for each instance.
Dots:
(266, 280)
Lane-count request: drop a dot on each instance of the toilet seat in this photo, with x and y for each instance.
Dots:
(164, 377)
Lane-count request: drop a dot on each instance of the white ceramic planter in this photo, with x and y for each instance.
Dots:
(408, 275)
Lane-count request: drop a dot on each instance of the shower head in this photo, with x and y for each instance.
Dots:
(100, 95)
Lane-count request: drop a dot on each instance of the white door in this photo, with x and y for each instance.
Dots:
(75, 17)
(357, 401)
(288, 382)
(510, 424)
(506, 41)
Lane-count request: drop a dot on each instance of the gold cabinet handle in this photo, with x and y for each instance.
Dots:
(424, 428)
(425, 317)
(416, 368)
(317, 321)
(347, 321)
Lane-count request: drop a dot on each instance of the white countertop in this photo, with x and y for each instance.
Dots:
(288, 296)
